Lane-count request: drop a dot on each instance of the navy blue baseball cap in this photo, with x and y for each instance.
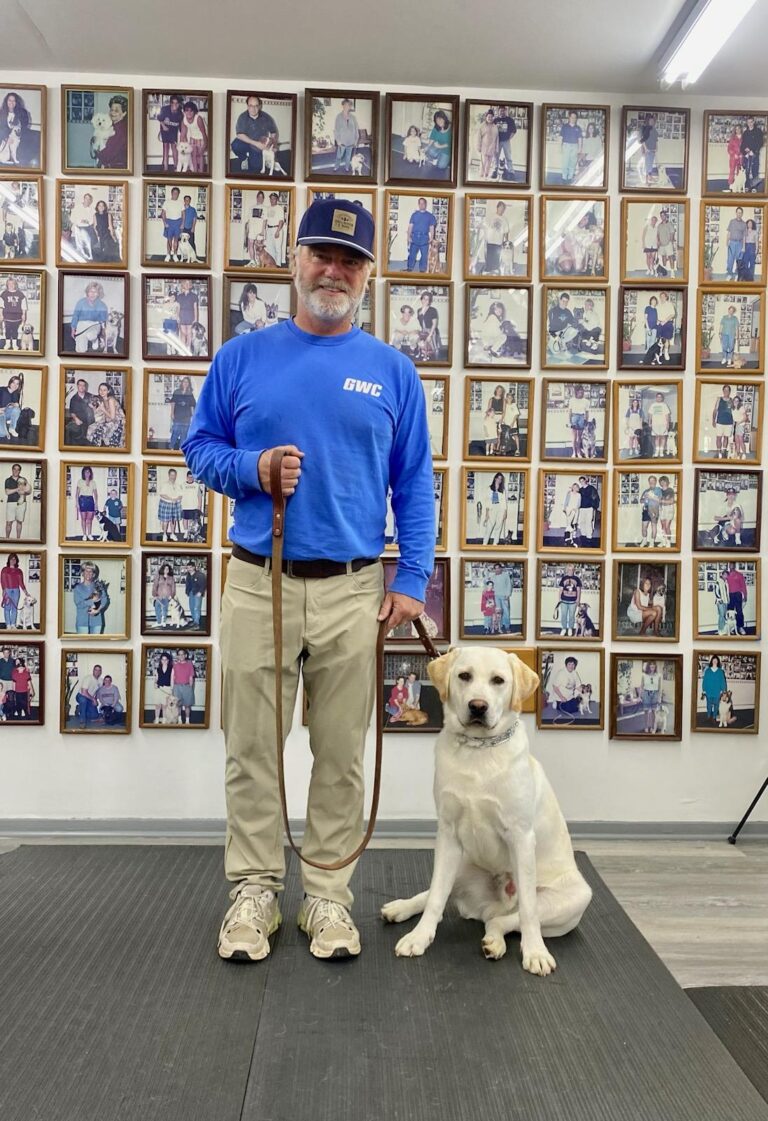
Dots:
(338, 222)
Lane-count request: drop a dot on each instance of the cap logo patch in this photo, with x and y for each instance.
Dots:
(344, 222)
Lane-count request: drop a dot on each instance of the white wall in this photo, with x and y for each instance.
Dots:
(180, 775)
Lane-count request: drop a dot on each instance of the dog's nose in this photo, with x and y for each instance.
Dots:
(478, 708)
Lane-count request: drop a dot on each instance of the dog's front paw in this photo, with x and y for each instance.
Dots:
(539, 961)
(397, 910)
(414, 944)
(494, 946)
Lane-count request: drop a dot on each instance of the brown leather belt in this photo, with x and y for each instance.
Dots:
(306, 569)
(278, 526)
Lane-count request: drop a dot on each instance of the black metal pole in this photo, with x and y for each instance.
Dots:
(755, 800)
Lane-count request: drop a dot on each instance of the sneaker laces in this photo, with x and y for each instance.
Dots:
(324, 913)
(253, 908)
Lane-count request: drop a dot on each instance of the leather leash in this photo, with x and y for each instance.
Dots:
(278, 531)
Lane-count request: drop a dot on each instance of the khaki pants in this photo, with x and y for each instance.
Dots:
(329, 625)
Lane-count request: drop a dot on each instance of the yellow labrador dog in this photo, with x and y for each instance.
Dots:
(503, 853)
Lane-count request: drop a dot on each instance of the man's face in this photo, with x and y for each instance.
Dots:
(563, 301)
(739, 212)
(330, 280)
(15, 471)
(750, 122)
(571, 118)
(174, 193)
(186, 285)
(97, 672)
(422, 204)
(81, 388)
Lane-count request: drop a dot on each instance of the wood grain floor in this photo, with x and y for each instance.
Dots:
(702, 905)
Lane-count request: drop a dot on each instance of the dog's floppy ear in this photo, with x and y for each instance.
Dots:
(439, 671)
(526, 681)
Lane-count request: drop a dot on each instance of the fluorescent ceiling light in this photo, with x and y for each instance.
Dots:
(705, 32)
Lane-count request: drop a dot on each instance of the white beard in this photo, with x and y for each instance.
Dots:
(328, 308)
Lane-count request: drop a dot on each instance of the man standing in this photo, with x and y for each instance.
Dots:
(195, 585)
(667, 249)
(345, 135)
(171, 213)
(572, 138)
(737, 594)
(502, 586)
(81, 220)
(255, 131)
(590, 504)
(722, 422)
(729, 333)
(507, 129)
(649, 143)
(421, 232)
(189, 221)
(15, 491)
(349, 412)
(752, 139)
(274, 223)
(85, 697)
(497, 232)
(413, 686)
(737, 233)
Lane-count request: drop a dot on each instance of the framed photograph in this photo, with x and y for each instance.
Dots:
(23, 498)
(22, 683)
(94, 596)
(175, 506)
(575, 329)
(95, 692)
(176, 224)
(574, 147)
(22, 311)
(23, 399)
(259, 233)
(420, 318)
(732, 243)
(493, 599)
(96, 130)
(726, 599)
(729, 331)
(726, 510)
(654, 325)
(436, 615)
(498, 418)
(341, 135)
(169, 402)
(498, 234)
(95, 409)
(725, 694)
(365, 313)
(497, 326)
(570, 689)
(494, 511)
(175, 687)
(574, 419)
(440, 483)
(91, 224)
(422, 138)
(647, 510)
(646, 421)
(728, 421)
(574, 239)
(22, 591)
(646, 600)
(367, 197)
(437, 396)
(93, 314)
(22, 225)
(22, 128)
(569, 600)
(646, 697)
(654, 241)
(176, 593)
(417, 234)
(228, 520)
(176, 318)
(497, 143)
(96, 504)
(261, 135)
(734, 153)
(411, 702)
(250, 305)
(177, 132)
(572, 511)
(654, 147)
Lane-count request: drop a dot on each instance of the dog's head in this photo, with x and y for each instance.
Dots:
(101, 122)
(480, 689)
(115, 318)
(725, 696)
(27, 329)
(586, 690)
(184, 147)
(581, 611)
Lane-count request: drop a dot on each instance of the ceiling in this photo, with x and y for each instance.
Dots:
(581, 45)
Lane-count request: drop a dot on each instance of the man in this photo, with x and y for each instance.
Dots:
(15, 502)
(502, 586)
(405, 330)
(255, 131)
(590, 504)
(752, 139)
(13, 312)
(189, 312)
(108, 701)
(171, 214)
(667, 249)
(195, 585)
(737, 235)
(420, 234)
(274, 223)
(649, 143)
(729, 519)
(561, 324)
(81, 220)
(659, 417)
(413, 685)
(349, 411)
(507, 129)
(189, 221)
(729, 333)
(564, 692)
(570, 598)
(650, 511)
(86, 708)
(722, 422)
(571, 137)
(737, 594)
(79, 415)
(346, 135)
(722, 596)
(497, 231)
(255, 227)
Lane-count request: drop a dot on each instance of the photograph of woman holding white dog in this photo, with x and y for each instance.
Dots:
(95, 692)
(97, 133)
(646, 697)
(726, 692)
(175, 687)
(21, 127)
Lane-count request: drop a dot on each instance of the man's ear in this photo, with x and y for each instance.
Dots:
(526, 682)
(439, 671)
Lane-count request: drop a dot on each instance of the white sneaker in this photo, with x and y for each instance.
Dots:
(12, 432)
(563, 631)
(329, 927)
(244, 934)
(724, 362)
(167, 257)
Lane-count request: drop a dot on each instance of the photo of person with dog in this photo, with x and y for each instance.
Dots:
(176, 593)
(22, 501)
(174, 506)
(95, 503)
(93, 314)
(654, 147)
(22, 406)
(730, 331)
(420, 322)
(497, 237)
(22, 591)
(734, 153)
(574, 419)
(22, 683)
(419, 234)
(732, 244)
(91, 224)
(176, 317)
(498, 326)
(569, 600)
(95, 409)
(22, 311)
(726, 599)
(175, 687)
(497, 418)
(726, 507)
(495, 509)
(646, 697)
(497, 143)
(646, 421)
(177, 132)
(574, 238)
(95, 692)
(437, 606)
(341, 135)
(169, 403)
(728, 421)
(253, 305)
(22, 229)
(97, 132)
(94, 596)
(493, 599)
(575, 328)
(647, 509)
(439, 488)
(22, 128)
(646, 600)
(574, 147)
(175, 224)
(261, 135)
(571, 511)
(421, 138)
(654, 324)
(725, 692)
(654, 241)
(411, 701)
(570, 689)
(259, 228)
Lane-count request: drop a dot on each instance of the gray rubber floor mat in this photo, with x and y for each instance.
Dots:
(739, 1016)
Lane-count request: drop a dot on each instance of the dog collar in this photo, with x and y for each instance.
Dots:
(492, 741)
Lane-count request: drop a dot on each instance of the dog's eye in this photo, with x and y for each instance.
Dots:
(464, 676)
(498, 680)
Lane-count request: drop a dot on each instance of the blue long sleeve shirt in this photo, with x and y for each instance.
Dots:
(356, 408)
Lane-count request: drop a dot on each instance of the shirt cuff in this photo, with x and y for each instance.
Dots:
(248, 470)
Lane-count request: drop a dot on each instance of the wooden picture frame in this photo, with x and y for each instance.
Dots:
(650, 253)
(741, 669)
(479, 527)
(635, 521)
(711, 441)
(199, 533)
(110, 525)
(110, 582)
(732, 616)
(665, 166)
(511, 421)
(436, 616)
(579, 172)
(81, 106)
(169, 343)
(27, 330)
(316, 132)
(501, 165)
(227, 512)
(570, 606)
(267, 251)
(103, 244)
(400, 256)
(31, 153)
(27, 615)
(32, 476)
(742, 345)
(437, 393)
(175, 722)
(32, 383)
(168, 615)
(719, 262)
(426, 345)
(652, 432)
(399, 172)
(163, 125)
(24, 211)
(730, 178)
(86, 711)
(507, 342)
(654, 339)
(574, 239)
(509, 217)
(32, 712)
(102, 435)
(590, 412)
(729, 506)
(160, 435)
(487, 618)
(108, 334)
(658, 620)
(276, 296)
(577, 527)
(588, 695)
(637, 712)
(581, 340)
(275, 106)
(157, 235)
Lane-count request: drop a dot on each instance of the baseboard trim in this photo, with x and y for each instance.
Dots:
(407, 827)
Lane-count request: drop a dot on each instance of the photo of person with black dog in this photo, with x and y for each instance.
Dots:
(420, 321)
(95, 504)
(575, 327)
(569, 600)
(727, 510)
(22, 121)
(497, 330)
(571, 510)
(95, 692)
(22, 683)
(497, 418)
(22, 406)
